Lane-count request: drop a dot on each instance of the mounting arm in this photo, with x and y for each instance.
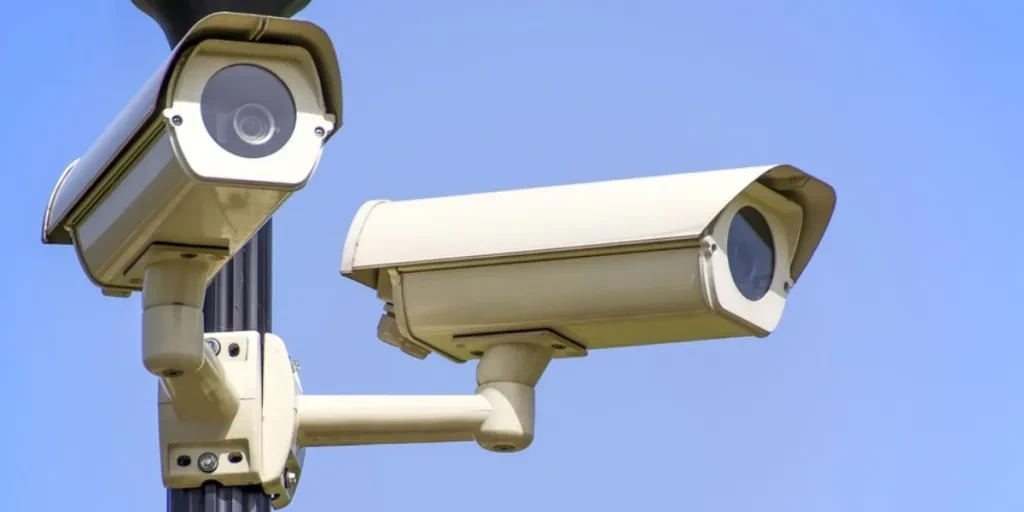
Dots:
(173, 348)
(500, 416)
(265, 441)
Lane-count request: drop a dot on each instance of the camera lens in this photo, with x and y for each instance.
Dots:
(248, 110)
(253, 123)
(751, 253)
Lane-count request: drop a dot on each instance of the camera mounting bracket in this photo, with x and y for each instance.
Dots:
(254, 446)
(263, 441)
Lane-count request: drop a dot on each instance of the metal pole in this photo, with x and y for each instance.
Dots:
(239, 298)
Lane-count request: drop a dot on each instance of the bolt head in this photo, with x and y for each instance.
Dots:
(214, 344)
(208, 462)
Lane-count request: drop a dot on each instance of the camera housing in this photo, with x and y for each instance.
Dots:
(217, 139)
(661, 259)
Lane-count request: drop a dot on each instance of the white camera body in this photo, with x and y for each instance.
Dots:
(175, 175)
(595, 265)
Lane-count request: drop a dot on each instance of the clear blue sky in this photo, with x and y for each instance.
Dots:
(893, 382)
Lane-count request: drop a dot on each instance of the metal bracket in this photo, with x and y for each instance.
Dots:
(258, 446)
(563, 347)
(192, 452)
(282, 455)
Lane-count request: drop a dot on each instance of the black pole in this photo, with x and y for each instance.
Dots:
(239, 298)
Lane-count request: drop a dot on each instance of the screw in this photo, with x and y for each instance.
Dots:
(214, 344)
(319, 131)
(295, 366)
(184, 461)
(234, 350)
(708, 248)
(172, 373)
(504, 448)
(176, 120)
(477, 353)
(234, 457)
(208, 462)
(786, 286)
(558, 346)
(188, 255)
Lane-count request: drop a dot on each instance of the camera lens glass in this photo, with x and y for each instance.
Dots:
(751, 253)
(248, 110)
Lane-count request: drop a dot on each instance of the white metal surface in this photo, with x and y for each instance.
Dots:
(288, 168)
(158, 202)
(235, 441)
(577, 217)
(361, 420)
(282, 455)
(172, 341)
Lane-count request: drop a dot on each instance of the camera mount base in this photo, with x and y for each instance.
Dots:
(507, 377)
(562, 347)
(256, 446)
(262, 443)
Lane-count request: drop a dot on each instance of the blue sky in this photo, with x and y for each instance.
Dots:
(892, 383)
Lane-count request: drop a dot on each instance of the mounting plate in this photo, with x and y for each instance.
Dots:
(477, 344)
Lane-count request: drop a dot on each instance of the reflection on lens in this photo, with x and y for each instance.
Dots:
(751, 253)
(248, 110)
(254, 124)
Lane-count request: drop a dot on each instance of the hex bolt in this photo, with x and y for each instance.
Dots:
(208, 462)
(176, 120)
(319, 131)
(214, 344)
(290, 479)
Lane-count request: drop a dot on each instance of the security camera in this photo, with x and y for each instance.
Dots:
(230, 126)
(683, 257)
(518, 278)
(216, 140)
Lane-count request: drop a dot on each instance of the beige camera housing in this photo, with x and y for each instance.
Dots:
(592, 266)
(156, 185)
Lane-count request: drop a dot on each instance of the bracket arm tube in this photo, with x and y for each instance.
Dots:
(172, 342)
(205, 393)
(335, 420)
